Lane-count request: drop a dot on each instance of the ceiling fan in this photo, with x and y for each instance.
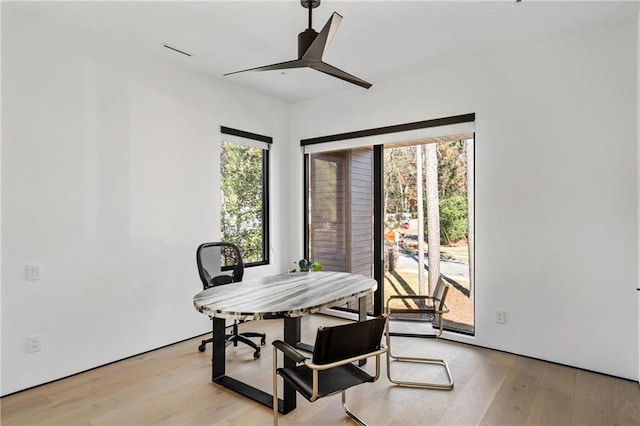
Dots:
(311, 47)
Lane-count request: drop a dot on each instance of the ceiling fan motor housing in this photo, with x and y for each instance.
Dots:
(305, 39)
(310, 54)
(310, 4)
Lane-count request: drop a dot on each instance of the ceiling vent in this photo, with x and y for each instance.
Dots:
(177, 50)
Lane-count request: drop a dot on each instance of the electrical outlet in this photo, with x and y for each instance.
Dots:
(34, 272)
(501, 317)
(34, 343)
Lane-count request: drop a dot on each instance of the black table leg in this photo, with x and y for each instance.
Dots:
(218, 360)
(362, 308)
(292, 336)
(362, 316)
(219, 376)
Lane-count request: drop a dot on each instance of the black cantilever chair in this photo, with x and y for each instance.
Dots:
(212, 259)
(332, 368)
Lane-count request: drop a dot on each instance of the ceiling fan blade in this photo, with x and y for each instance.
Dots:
(296, 63)
(323, 39)
(335, 72)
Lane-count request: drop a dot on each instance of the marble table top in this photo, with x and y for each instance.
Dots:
(286, 295)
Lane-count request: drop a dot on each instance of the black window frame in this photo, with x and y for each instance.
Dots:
(265, 193)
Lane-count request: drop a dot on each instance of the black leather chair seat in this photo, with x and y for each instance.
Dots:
(330, 381)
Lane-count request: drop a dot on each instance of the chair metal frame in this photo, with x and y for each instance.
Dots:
(437, 307)
(290, 352)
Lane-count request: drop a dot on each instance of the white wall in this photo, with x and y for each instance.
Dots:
(556, 191)
(1, 291)
(638, 173)
(110, 179)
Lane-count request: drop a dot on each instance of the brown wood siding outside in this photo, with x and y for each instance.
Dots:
(361, 216)
(327, 225)
(341, 206)
(361, 206)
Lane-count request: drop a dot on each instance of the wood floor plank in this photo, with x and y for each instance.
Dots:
(626, 402)
(552, 402)
(592, 403)
(515, 397)
(472, 402)
(172, 386)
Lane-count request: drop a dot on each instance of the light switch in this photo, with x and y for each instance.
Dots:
(34, 272)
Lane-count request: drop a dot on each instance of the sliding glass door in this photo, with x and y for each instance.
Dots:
(400, 211)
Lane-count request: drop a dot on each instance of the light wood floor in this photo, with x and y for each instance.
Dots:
(172, 386)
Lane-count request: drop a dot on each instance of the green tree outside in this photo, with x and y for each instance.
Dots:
(400, 187)
(242, 199)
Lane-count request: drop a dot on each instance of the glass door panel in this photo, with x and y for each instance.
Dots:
(428, 226)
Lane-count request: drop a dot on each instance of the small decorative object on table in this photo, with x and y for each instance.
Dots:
(304, 265)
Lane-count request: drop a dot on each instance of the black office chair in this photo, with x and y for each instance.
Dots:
(332, 368)
(212, 259)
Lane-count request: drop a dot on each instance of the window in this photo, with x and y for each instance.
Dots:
(244, 171)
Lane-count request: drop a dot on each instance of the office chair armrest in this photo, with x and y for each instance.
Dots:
(289, 351)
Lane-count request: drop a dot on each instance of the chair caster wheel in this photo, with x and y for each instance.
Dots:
(263, 341)
(256, 355)
(202, 348)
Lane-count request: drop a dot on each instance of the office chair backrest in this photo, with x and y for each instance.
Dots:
(349, 340)
(213, 257)
(440, 293)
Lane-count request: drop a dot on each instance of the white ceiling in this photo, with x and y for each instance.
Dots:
(377, 41)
